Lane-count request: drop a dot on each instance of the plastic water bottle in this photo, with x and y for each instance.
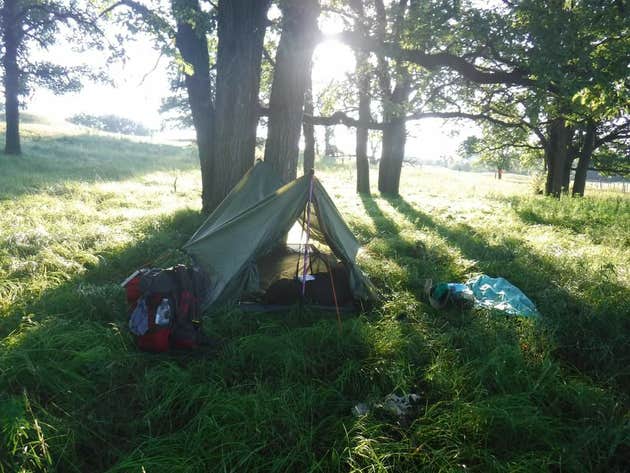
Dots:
(163, 313)
(460, 292)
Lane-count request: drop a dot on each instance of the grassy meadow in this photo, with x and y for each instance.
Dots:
(79, 212)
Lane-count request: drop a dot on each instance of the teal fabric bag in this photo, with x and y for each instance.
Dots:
(500, 294)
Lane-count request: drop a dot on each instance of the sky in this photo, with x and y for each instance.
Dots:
(140, 84)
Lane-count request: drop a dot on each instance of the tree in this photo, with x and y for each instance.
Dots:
(557, 50)
(37, 23)
(363, 75)
(308, 129)
(290, 79)
(575, 52)
(497, 155)
(225, 127)
(395, 89)
(192, 44)
(223, 97)
(241, 32)
(111, 123)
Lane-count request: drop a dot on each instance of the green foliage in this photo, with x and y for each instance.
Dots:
(41, 24)
(574, 53)
(495, 149)
(79, 213)
(111, 123)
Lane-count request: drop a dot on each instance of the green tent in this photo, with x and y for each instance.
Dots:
(239, 240)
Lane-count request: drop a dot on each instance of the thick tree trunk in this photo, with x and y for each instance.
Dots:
(241, 32)
(363, 165)
(362, 71)
(12, 38)
(395, 103)
(579, 183)
(193, 46)
(395, 135)
(295, 50)
(308, 128)
(556, 156)
(226, 133)
(392, 155)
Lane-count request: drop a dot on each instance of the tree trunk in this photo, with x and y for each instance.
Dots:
(193, 46)
(579, 183)
(329, 132)
(556, 156)
(395, 103)
(12, 37)
(395, 135)
(226, 134)
(241, 32)
(392, 155)
(286, 104)
(363, 75)
(363, 165)
(308, 128)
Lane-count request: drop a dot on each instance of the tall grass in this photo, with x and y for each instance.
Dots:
(275, 394)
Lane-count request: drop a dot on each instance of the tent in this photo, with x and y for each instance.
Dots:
(242, 244)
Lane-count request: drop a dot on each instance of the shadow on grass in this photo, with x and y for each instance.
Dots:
(417, 260)
(604, 219)
(47, 161)
(68, 362)
(493, 391)
(79, 397)
(591, 335)
(277, 396)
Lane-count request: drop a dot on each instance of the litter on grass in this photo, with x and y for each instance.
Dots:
(399, 406)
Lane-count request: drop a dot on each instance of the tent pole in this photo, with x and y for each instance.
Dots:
(308, 231)
(332, 284)
(297, 264)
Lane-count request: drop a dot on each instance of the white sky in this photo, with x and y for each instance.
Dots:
(139, 87)
(136, 94)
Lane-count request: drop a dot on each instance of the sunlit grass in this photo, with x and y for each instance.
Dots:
(79, 213)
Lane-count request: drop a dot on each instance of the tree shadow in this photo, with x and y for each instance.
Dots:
(68, 355)
(589, 336)
(418, 260)
(603, 219)
(498, 369)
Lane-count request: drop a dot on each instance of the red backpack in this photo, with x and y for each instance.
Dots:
(164, 307)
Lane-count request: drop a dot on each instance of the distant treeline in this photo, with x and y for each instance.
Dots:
(111, 123)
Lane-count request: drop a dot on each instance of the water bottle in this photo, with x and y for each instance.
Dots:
(163, 313)
(460, 292)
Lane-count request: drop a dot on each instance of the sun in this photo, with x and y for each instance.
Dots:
(332, 61)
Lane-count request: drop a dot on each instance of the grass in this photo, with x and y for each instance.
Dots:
(79, 213)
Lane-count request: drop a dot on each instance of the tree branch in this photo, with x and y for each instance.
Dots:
(468, 116)
(341, 118)
(146, 13)
(617, 132)
(435, 61)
